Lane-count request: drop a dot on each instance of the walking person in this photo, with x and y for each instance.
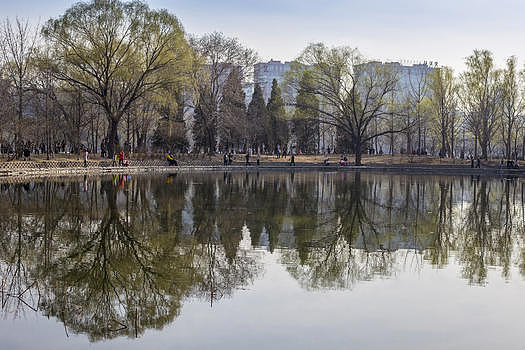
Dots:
(26, 153)
(292, 160)
(247, 156)
(85, 157)
(478, 163)
(258, 159)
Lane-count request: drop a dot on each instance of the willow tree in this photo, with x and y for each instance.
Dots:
(481, 99)
(353, 93)
(117, 52)
(513, 106)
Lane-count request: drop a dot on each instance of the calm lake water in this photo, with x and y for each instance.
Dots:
(302, 260)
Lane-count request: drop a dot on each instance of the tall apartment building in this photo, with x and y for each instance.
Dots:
(265, 72)
(409, 77)
(412, 80)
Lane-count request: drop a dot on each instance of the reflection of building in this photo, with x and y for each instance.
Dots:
(264, 73)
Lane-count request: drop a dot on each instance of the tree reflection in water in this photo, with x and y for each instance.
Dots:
(117, 256)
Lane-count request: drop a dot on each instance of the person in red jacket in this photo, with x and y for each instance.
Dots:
(121, 158)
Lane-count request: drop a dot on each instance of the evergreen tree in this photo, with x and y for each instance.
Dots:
(276, 125)
(256, 119)
(306, 117)
(204, 128)
(232, 115)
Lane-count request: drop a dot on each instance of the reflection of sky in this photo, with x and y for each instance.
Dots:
(429, 309)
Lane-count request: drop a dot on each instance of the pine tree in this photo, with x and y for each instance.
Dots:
(232, 112)
(306, 117)
(256, 119)
(204, 128)
(276, 125)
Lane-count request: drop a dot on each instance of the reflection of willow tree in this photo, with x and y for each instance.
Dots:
(109, 256)
(112, 279)
(487, 234)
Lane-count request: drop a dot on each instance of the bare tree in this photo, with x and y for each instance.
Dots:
(19, 40)
(220, 55)
(417, 92)
(356, 91)
(513, 105)
(443, 106)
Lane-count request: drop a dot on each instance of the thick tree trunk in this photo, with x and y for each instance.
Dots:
(443, 141)
(358, 147)
(476, 145)
(484, 149)
(112, 137)
(508, 145)
(418, 134)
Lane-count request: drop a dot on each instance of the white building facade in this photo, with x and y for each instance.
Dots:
(266, 72)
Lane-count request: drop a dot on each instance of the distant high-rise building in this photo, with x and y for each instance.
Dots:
(412, 85)
(410, 78)
(266, 72)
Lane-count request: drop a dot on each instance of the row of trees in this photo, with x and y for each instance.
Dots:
(99, 67)
(262, 127)
(109, 74)
(372, 104)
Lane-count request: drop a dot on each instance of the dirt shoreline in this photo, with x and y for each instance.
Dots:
(412, 169)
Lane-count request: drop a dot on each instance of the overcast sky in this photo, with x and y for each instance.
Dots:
(445, 31)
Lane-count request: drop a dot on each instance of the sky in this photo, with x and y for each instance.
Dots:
(446, 31)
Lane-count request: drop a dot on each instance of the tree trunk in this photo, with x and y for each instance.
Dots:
(418, 133)
(112, 137)
(484, 149)
(508, 144)
(358, 151)
(476, 145)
